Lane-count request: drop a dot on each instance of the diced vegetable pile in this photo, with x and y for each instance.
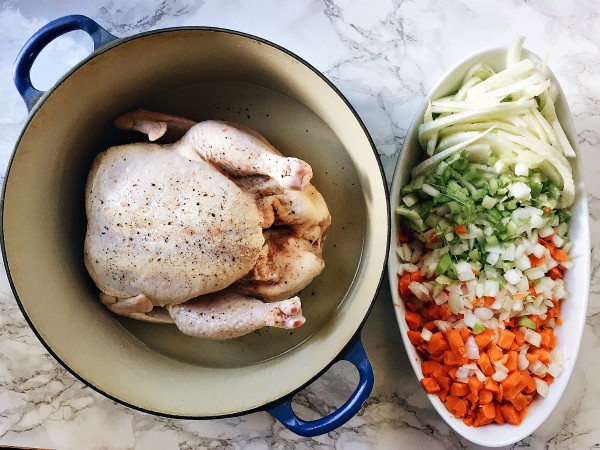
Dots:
(483, 246)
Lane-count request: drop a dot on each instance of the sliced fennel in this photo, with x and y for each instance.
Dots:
(512, 112)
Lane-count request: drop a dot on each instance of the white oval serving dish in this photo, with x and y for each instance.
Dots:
(573, 308)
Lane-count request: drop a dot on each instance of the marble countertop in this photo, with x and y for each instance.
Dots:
(383, 55)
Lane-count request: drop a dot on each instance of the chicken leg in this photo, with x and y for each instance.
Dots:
(226, 315)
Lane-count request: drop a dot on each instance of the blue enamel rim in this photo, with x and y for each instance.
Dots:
(353, 351)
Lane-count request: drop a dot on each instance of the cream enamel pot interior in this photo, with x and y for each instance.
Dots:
(199, 73)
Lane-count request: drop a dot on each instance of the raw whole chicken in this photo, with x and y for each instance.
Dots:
(203, 231)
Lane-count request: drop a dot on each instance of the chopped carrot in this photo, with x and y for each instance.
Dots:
(532, 357)
(499, 419)
(530, 386)
(491, 385)
(547, 240)
(452, 373)
(513, 385)
(473, 399)
(489, 301)
(519, 338)
(433, 312)
(464, 334)
(489, 411)
(505, 339)
(485, 365)
(547, 335)
(445, 314)
(415, 337)
(429, 326)
(443, 394)
(416, 276)
(459, 389)
(555, 273)
(512, 380)
(437, 344)
(403, 238)
(532, 289)
(475, 385)
(484, 338)
(520, 295)
(413, 320)
(451, 402)
(485, 397)
(510, 414)
(536, 261)
(455, 358)
(519, 402)
(430, 385)
(403, 283)
(461, 229)
(441, 370)
(429, 367)
(543, 355)
(560, 255)
(548, 378)
(445, 383)
(511, 361)
(460, 408)
(499, 393)
(495, 353)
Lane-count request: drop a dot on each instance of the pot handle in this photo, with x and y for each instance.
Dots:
(45, 35)
(284, 413)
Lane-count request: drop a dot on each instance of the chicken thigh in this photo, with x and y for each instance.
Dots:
(182, 221)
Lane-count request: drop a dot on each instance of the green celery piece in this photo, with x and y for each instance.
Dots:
(455, 207)
(415, 221)
(536, 188)
(564, 215)
(478, 328)
(479, 194)
(526, 322)
(444, 264)
(491, 240)
(474, 254)
(431, 220)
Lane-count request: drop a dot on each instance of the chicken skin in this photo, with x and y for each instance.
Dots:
(198, 232)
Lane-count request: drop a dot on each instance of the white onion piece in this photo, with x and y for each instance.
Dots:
(426, 334)
(554, 369)
(538, 368)
(499, 376)
(522, 362)
(484, 313)
(533, 337)
(541, 387)
(472, 348)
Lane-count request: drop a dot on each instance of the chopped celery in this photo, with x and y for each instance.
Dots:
(444, 264)
(478, 328)
(526, 322)
(414, 220)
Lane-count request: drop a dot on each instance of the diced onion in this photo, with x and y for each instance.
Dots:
(513, 276)
(541, 387)
(554, 369)
(426, 334)
(472, 348)
(499, 376)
